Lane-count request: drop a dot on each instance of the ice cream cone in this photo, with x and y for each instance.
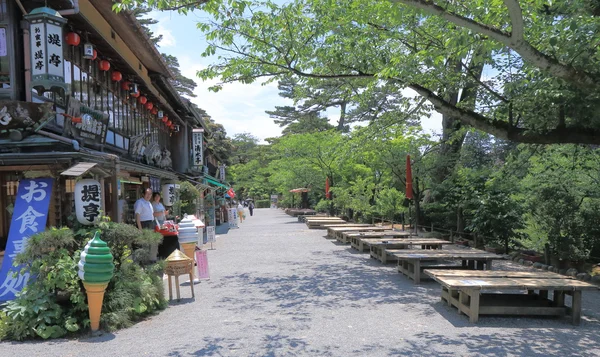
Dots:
(95, 295)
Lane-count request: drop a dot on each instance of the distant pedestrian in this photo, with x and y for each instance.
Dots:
(251, 208)
(240, 210)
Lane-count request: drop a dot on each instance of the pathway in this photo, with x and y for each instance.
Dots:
(279, 289)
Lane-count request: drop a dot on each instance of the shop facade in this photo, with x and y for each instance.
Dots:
(84, 94)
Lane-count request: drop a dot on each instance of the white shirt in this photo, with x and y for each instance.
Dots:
(144, 209)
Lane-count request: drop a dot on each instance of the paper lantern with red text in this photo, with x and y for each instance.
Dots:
(154, 111)
(149, 106)
(142, 100)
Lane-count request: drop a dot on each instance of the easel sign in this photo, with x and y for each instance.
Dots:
(210, 235)
(202, 264)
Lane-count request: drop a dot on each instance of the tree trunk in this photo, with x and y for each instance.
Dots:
(342, 121)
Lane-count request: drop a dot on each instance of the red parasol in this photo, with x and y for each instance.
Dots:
(409, 190)
(327, 194)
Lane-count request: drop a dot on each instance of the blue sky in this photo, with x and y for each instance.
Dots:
(238, 107)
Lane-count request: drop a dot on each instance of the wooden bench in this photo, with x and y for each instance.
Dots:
(339, 233)
(411, 262)
(463, 290)
(333, 229)
(381, 249)
(358, 239)
(319, 224)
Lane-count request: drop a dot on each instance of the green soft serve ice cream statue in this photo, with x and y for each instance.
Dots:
(95, 269)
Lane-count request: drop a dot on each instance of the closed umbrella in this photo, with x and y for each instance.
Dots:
(409, 190)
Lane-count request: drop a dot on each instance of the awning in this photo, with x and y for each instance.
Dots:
(216, 183)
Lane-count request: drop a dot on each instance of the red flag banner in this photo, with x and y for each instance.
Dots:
(409, 189)
(231, 193)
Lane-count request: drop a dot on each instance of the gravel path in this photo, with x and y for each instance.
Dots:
(279, 289)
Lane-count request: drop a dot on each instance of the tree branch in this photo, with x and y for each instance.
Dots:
(186, 5)
(529, 53)
(516, 18)
(503, 130)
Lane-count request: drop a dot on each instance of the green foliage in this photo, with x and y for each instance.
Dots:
(188, 194)
(54, 303)
(262, 203)
(389, 203)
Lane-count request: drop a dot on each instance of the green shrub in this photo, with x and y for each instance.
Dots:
(262, 203)
(54, 303)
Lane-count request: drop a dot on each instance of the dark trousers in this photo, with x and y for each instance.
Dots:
(147, 224)
(251, 210)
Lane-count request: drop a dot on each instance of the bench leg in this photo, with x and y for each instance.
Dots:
(576, 308)
(543, 294)
(559, 298)
(383, 256)
(474, 307)
(488, 264)
(192, 284)
(417, 272)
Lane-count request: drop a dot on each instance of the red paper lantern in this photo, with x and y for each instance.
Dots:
(135, 95)
(169, 123)
(73, 39)
(154, 111)
(165, 119)
(142, 100)
(116, 76)
(149, 106)
(125, 85)
(104, 65)
(95, 55)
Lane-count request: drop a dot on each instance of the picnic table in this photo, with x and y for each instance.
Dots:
(338, 232)
(381, 249)
(463, 290)
(411, 262)
(319, 223)
(358, 239)
(334, 228)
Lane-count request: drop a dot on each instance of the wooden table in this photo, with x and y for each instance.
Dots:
(410, 261)
(463, 289)
(319, 224)
(348, 227)
(357, 239)
(338, 233)
(381, 249)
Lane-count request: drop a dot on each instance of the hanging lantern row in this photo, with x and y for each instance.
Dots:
(73, 39)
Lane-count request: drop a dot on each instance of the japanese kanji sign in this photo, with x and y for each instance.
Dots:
(168, 194)
(88, 201)
(46, 50)
(197, 149)
(93, 126)
(38, 49)
(29, 217)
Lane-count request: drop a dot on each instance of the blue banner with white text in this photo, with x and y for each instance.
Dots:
(29, 217)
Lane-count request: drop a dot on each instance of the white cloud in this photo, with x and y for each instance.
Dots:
(238, 107)
(168, 40)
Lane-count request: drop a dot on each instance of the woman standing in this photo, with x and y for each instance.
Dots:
(160, 213)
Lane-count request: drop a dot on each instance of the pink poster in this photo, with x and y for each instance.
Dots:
(202, 263)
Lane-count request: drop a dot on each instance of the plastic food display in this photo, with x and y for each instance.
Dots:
(96, 268)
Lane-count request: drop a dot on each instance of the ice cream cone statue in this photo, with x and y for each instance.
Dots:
(95, 269)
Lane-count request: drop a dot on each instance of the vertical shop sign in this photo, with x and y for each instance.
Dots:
(29, 217)
(197, 148)
(88, 201)
(222, 172)
(233, 218)
(168, 194)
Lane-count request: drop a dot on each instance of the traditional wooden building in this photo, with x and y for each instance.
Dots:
(85, 94)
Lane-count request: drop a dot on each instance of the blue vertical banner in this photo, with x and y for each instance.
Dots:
(29, 217)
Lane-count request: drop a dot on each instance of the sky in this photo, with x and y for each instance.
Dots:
(240, 108)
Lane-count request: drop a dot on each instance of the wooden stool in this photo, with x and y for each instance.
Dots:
(178, 264)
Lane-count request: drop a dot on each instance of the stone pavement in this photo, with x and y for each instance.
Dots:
(279, 289)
